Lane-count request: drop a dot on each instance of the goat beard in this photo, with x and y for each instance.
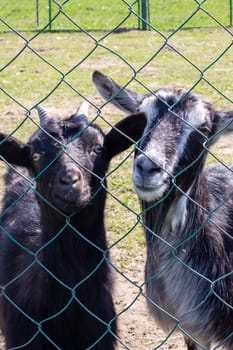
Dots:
(69, 202)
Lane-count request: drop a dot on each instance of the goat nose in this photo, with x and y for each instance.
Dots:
(146, 166)
(69, 176)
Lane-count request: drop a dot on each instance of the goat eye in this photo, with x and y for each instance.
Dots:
(36, 157)
(204, 129)
(97, 148)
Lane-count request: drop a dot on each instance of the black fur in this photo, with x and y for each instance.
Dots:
(55, 278)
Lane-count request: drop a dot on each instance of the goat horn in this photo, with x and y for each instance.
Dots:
(42, 113)
(83, 109)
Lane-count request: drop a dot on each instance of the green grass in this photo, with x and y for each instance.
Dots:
(45, 66)
(55, 69)
(85, 14)
(105, 14)
(174, 13)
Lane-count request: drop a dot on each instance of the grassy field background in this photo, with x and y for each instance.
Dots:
(106, 15)
(55, 69)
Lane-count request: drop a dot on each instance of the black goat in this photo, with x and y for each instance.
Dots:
(188, 212)
(54, 273)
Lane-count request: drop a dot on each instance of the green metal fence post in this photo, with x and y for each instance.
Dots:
(144, 13)
(37, 13)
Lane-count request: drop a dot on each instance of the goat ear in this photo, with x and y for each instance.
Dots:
(225, 121)
(124, 134)
(126, 100)
(14, 151)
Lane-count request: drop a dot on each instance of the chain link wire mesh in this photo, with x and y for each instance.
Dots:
(54, 69)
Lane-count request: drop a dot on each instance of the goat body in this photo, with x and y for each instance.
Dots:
(189, 257)
(54, 273)
(187, 212)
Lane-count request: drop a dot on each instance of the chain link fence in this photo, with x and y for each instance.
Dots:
(49, 50)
